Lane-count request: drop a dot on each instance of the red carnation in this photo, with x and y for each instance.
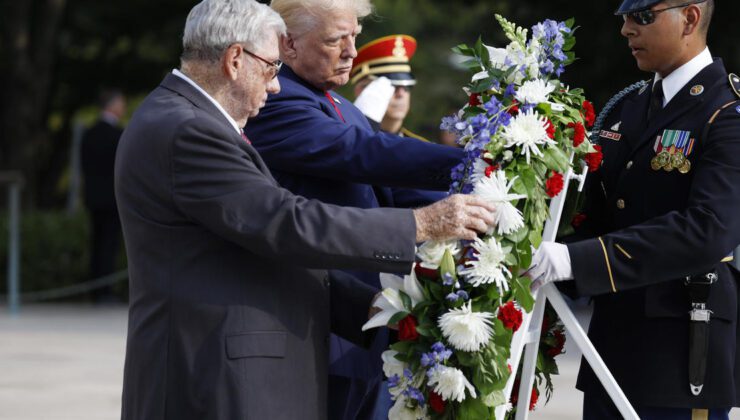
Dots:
(593, 160)
(490, 170)
(554, 184)
(579, 133)
(510, 316)
(589, 114)
(578, 220)
(474, 99)
(559, 344)
(407, 329)
(550, 129)
(515, 395)
(436, 402)
(426, 272)
(514, 110)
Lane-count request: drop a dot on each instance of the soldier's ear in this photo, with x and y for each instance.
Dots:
(692, 14)
(287, 47)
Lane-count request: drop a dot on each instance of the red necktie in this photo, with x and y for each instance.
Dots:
(328, 96)
(244, 136)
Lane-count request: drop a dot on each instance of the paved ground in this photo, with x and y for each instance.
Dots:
(61, 362)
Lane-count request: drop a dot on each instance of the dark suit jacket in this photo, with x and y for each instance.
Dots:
(226, 321)
(318, 153)
(654, 228)
(98, 154)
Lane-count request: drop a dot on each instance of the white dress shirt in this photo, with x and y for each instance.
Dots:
(675, 81)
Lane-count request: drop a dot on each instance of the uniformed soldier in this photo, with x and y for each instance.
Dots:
(385, 103)
(662, 217)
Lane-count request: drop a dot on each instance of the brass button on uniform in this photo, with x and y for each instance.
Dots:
(620, 204)
(629, 164)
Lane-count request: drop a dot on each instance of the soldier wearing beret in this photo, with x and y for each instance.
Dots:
(662, 221)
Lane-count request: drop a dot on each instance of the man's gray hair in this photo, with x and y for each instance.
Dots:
(303, 16)
(213, 25)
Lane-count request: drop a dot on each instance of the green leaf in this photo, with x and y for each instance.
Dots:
(556, 160)
(395, 319)
(535, 238)
(570, 22)
(522, 294)
(426, 331)
(524, 249)
(437, 291)
(466, 359)
(473, 408)
(403, 347)
(519, 235)
(407, 303)
(494, 399)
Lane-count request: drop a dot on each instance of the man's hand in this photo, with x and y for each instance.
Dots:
(456, 217)
(551, 262)
(374, 99)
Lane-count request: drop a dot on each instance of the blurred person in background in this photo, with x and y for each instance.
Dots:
(98, 155)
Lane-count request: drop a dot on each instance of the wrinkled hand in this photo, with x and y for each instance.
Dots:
(374, 99)
(456, 217)
(551, 262)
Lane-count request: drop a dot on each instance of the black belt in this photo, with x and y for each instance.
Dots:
(699, 288)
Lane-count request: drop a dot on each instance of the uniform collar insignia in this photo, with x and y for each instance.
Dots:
(697, 90)
(616, 126)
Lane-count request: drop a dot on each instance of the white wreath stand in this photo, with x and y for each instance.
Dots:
(528, 334)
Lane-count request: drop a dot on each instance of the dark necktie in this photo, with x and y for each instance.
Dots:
(656, 99)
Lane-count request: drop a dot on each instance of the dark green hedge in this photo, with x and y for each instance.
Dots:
(54, 250)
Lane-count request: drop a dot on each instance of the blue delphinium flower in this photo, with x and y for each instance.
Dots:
(394, 381)
(414, 394)
(550, 36)
(448, 279)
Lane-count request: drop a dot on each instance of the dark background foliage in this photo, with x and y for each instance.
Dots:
(55, 56)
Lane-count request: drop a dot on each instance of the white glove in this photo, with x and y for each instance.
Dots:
(374, 99)
(551, 262)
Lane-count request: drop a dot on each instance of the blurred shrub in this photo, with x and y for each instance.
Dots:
(55, 250)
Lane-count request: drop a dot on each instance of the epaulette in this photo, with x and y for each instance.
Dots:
(611, 103)
(735, 83)
(406, 133)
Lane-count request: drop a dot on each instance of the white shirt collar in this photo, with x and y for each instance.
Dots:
(683, 75)
(179, 74)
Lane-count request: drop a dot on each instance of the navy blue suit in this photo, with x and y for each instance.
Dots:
(333, 155)
(649, 229)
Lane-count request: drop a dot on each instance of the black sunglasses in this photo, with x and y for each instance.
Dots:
(647, 16)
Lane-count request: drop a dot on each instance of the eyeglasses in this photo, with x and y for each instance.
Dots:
(646, 17)
(274, 66)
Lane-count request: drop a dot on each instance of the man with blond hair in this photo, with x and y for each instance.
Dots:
(318, 144)
(231, 305)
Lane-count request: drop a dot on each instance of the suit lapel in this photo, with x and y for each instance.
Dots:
(183, 88)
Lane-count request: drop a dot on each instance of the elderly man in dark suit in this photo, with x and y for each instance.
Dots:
(230, 311)
(662, 221)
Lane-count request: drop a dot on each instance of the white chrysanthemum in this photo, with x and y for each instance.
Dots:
(495, 190)
(431, 252)
(528, 131)
(489, 267)
(479, 170)
(534, 91)
(390, 302)
(401, 411)
(450, 383)
(466, 330)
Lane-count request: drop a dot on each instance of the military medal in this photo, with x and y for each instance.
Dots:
(672, 149)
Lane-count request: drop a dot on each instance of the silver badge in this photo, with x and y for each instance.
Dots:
(616, 126)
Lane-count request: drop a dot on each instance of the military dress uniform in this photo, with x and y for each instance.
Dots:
(664, 206)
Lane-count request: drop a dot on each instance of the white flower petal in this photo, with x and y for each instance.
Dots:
(534, 91)
(465, 329)
(489, 267)
(528, 131)
(431, 252)
(451, 384)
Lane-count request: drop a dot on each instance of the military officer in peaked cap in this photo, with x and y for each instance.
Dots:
(389, 100)
(382, 79)
(662, 218)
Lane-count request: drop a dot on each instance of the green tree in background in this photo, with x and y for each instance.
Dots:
(55, 55)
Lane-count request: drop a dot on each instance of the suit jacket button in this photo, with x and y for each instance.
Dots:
(629, 164)
(620, 204)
